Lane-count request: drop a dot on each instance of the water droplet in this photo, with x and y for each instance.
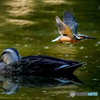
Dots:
(96, 44)
(99, 7)
(91, 24)
(25, 45)
(37, 97)
(95, 79)
(23, 95)
(38, 53)
(17, 44)
(44, 91)
(46, 47)
(98, 66)
(19, 97)
(81, 47)
(68, 96)
(94, 31)
(66, 55)
(86, 71)
(86, 56)
(70, 45)
(90, 55)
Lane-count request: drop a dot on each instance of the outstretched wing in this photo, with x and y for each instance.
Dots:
(71, 22)
(63, 28)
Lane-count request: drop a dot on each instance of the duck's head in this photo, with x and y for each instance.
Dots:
(10, 55)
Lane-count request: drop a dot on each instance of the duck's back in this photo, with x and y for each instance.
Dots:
(43, 65)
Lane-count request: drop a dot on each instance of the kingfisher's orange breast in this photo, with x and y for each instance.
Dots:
(74, 41)
(67, 39)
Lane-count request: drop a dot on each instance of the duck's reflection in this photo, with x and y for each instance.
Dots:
(11, 84)
(8, 85)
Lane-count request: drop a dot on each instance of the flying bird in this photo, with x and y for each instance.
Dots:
(68, 29)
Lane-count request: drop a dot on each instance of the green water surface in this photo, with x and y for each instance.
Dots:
(29, 26)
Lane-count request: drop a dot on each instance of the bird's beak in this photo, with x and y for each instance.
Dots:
(92, 38)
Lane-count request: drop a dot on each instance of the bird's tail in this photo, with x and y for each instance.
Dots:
(65, 69)
(72, 68)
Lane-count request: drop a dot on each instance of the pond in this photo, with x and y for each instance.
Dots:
(29, 26)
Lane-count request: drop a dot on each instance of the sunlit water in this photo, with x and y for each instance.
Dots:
(29, 26)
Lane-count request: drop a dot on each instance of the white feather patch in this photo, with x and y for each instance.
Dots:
(63, 66)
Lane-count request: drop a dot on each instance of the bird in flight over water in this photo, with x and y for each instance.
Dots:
(68, 29)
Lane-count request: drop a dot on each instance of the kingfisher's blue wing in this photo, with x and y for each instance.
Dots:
(63, 28)
(71, 22)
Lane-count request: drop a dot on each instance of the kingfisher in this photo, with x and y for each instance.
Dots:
(68, 29)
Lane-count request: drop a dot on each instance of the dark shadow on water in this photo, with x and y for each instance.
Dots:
(11, 84)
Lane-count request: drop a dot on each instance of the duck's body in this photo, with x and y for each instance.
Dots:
(37, 65)
(68, 29)
(43, 66)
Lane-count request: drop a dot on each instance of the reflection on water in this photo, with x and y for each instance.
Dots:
(29, 26)
(10, 84)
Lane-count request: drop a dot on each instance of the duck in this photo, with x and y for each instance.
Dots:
(39, 65)
(68, 29)
(38, 68)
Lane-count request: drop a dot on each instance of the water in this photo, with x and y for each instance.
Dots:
(29, 26)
